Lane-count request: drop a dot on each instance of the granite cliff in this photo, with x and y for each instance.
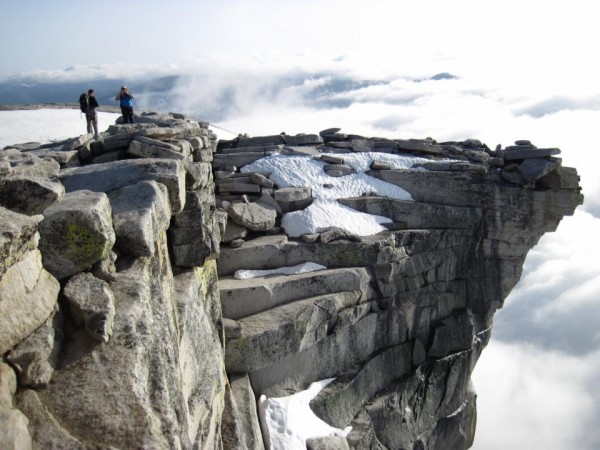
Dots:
(133, 313)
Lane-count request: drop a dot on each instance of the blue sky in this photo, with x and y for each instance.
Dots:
(526, 70)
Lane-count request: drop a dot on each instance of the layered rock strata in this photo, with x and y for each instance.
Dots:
(124, 325)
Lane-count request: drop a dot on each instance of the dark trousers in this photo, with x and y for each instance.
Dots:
(127, 112)
(92, 121)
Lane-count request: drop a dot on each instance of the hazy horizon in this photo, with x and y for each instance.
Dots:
(522, 71)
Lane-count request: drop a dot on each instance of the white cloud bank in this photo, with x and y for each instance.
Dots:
(531, 398)
(497, 103)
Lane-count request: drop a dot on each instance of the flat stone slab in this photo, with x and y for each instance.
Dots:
(28, 164)
(29, 195)
(535, 168)
(260, 140)
(417, 215)
(151, 148)
(421, 146)
(108, 177)
(284, 330)
(242, 298)
(511, 154)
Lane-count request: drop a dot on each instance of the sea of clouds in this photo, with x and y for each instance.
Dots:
(535, 381)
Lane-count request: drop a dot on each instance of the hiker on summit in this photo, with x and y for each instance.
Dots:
(88, 105)
(125, 99)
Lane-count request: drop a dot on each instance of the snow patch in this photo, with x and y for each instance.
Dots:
(326, 213)
(304, 171)
(290, 270)
(45, 125)
(287, 422)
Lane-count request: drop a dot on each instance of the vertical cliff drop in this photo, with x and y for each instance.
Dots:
(123, 324)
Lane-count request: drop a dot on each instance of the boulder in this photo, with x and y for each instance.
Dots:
(268, 201)
(184, 146)
(245, 402)
(105, 268)
(293, 198)
(331, 159)
(108, 177)
(8, 386)
(36, 357)
(198, 175)
(76, 233)
(63, 157)
(336, 233)
(30, 165)
(261, 180)
(477, 156)
(380, 165)
(195, 233)
(253, 216)
(140, 213)
(144, 147)
(232, 328)
(28, 295)
(91, 304)
(76, 142)
(233, 231)
(14, 433)
(362, 145)
(535, 168)
(29, 195)
(329, 131)
(338, 170)
(13, 430)
(18, 236)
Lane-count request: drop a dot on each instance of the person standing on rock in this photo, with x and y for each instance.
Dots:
(125, 99)
(88, 105)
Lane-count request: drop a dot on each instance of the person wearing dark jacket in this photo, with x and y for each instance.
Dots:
(90, 114)
(125, 99)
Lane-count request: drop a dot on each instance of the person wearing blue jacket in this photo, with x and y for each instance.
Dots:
(125, 99)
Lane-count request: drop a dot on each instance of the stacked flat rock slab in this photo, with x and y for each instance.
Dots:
(399, 318)
(152, 340)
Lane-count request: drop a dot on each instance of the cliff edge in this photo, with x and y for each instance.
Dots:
(162, 289)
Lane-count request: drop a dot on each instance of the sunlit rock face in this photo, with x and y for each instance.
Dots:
(400, 316)
(161, 282)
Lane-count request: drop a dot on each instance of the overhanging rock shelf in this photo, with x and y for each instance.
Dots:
(122, 324)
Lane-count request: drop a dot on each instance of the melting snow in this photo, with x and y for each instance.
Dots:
(287, 422)
(290, 270)
(304, 171)
(325, 213)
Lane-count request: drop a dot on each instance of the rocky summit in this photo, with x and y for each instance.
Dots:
(157, 286)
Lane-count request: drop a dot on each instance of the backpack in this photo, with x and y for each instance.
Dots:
(84, 103)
